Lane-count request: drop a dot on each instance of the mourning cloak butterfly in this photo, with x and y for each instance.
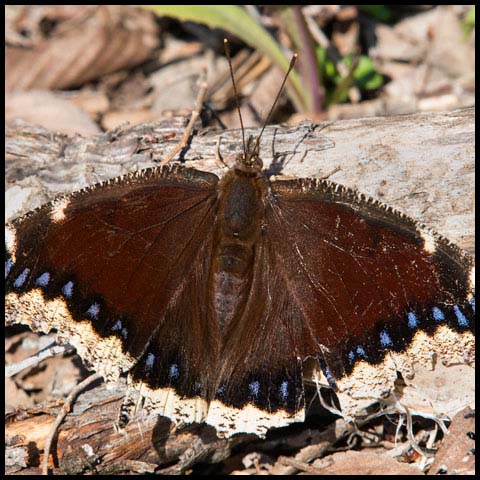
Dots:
(212, 293)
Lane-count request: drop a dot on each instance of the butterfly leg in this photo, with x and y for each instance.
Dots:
(218, 155)
(193, 118)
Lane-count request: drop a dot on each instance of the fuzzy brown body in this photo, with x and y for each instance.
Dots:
(241, 212)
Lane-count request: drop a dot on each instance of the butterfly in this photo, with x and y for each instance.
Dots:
(214, 293)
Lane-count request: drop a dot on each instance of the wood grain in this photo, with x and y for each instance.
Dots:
(421, 164)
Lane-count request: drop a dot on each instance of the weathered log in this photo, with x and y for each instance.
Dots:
(421, 164)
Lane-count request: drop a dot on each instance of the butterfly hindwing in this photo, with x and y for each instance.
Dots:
(260, 382)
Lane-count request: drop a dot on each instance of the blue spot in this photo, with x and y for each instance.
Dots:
(67, 289)
(438, 315)
(124, 333)
(462, 319)
(117, 326)
(20, 280)
(254, 388)
(412, 321)
(472, 303)
(351, 356)
(220, 391)
(284, 391)
(93, 311)
(385, 339)
(329, 376)
(43, 279)
(8, 266)
(361, 352)
(150, 361)
(173, 372)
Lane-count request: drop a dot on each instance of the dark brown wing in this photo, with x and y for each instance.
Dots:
(260, 382)
(371, 281)
(118, 269)
(345, 280)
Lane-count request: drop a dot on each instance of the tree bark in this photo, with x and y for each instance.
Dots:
(422, 164)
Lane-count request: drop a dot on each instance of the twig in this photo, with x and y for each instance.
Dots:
(130, 466)
(62, 414)
(303, 466)
(193, 118)
(327, 175)
(50, 351)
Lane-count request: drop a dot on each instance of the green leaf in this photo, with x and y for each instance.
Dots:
(469, 22)
(382, 13)
(237, 21)
(328, 69)
(342, 85)
(365, 75)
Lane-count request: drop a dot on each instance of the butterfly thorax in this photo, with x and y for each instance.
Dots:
(239, 222)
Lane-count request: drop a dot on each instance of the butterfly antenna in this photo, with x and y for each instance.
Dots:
(229, 58)
(290, 68)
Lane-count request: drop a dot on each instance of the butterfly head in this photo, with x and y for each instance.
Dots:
(249, 161)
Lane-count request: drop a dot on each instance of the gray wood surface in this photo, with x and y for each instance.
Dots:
(421, 164)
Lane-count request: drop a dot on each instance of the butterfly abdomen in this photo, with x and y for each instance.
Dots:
(238, 228)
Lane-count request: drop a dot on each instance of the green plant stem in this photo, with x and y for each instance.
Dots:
(309, 63)
(234, 19)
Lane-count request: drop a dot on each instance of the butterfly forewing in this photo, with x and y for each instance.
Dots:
(118, 255)
(367, 278)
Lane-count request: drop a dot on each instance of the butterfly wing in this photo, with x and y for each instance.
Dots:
(260, 382)
(133, 293)
(337, 278)
(375, 287)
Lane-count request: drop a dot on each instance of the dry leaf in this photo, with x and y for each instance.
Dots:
(91, 42)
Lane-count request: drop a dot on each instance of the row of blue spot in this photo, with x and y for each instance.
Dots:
(42, 281)
(173, 371)
(254, 390)
(253, 387)
(438, 315)
(67, 290)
